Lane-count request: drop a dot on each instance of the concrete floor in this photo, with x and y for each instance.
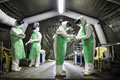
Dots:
(46, 71)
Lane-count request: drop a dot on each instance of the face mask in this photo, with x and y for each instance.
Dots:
(36, 30)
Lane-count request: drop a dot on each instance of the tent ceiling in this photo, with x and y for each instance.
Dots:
(100, 9)
(20, 9)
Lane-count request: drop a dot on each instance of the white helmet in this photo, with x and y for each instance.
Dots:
(81, 19)
(64, 23)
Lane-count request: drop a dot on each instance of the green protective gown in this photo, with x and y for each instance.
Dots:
(17, 46)
(35, 47)
(61, 45)
(87, 46)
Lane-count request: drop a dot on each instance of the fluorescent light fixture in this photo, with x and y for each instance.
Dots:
(61, 6)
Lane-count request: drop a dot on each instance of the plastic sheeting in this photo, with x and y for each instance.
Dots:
(106, 12)
(4, 35)
(112, 32)
(100, 9)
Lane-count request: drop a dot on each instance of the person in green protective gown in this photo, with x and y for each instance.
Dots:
(16, 36)
(35, 41)
(87, 36)
(60, 45)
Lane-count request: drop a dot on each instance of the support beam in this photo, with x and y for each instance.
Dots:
(41, 17)
(100, 33)
(5, 19)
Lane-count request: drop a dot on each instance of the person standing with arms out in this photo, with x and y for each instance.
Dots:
(87, 36)
(35, 39)
(60, 39)
(16, 36)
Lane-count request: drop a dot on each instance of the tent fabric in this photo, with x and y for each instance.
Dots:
(99, 9)
(107, 12)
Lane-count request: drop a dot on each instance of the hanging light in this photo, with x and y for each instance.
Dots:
(61, 6)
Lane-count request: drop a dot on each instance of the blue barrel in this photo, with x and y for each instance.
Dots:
(78, 58)
(41, 56)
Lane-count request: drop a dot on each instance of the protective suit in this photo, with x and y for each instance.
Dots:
(35, 39)
(16, 36)
(60, 46)
(87, 36)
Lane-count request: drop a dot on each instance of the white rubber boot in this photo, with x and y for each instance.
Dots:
(19, 68)
(89, 69)
(87, 73)
(59, 71)
(15, 65)
(37, 61)
(32, 62)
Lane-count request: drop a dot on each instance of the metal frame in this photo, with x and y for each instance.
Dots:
(112, 53)
(1, 60)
